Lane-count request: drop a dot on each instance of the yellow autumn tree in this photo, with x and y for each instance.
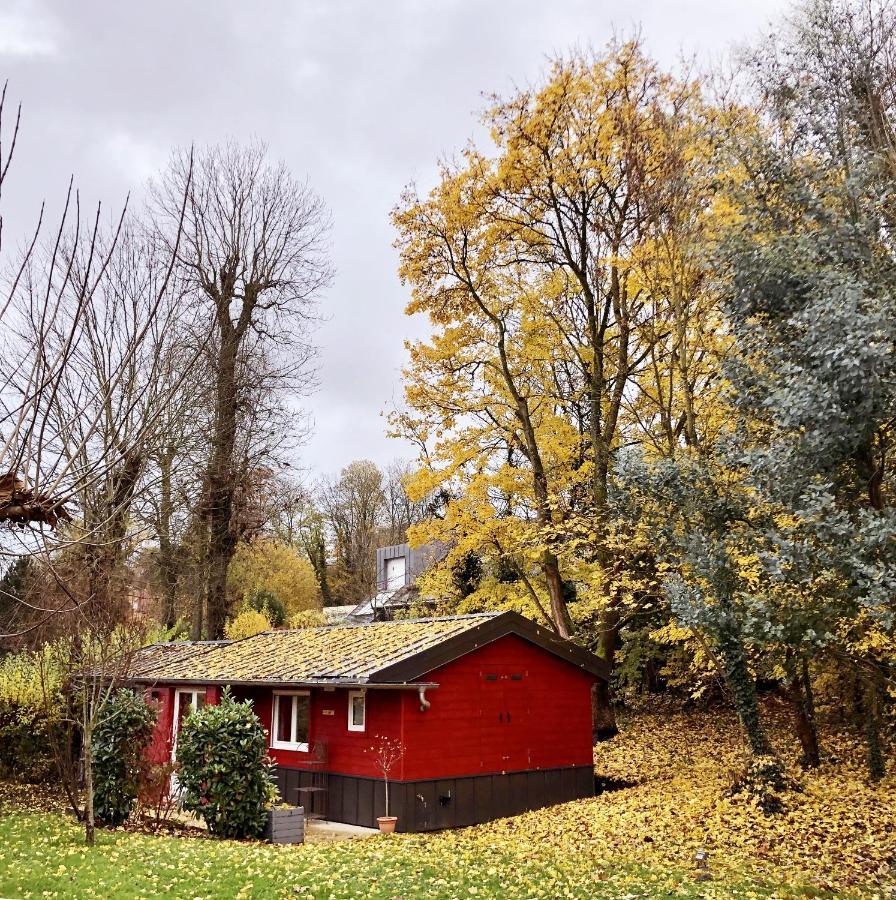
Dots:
(246, 624)
(269, 565)
(561, 276)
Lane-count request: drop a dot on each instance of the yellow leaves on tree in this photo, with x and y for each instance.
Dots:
(247, 624)
(268, 565)
(571, 314)
(308, 618)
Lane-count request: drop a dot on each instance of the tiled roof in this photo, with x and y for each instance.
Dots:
(150, 660)
(352, 653)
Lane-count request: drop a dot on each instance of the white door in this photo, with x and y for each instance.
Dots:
(185, 701)
(395, 573)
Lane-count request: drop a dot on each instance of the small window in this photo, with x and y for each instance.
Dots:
(396, 569)
(357, 711)
(290, 720)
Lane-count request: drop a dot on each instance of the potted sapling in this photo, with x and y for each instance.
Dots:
(386, 753)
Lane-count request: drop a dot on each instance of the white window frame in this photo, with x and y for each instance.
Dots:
(301, 746)
(351, 697)
(194, 693)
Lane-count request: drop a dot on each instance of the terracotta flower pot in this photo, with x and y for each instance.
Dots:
(386, 823)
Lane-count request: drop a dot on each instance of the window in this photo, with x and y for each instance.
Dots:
(185, 701)
(289, 724)
(395, 573)
(357, 710)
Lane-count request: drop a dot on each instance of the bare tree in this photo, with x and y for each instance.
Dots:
(299, 522)
(177, 459)
(105, 412)
(33, 483)
(254, 251)
(88, 320)
(354, 506)
(81, 671)
(401, 511)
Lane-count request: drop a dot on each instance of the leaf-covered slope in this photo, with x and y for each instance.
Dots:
(838, 831)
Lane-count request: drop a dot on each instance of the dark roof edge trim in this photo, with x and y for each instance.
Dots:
(491, 630)
(275, 683)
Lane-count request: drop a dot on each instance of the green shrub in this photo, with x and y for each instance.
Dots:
(120, 740)
(31, 708)
(225, 772)
(264, 601)
(25, 746)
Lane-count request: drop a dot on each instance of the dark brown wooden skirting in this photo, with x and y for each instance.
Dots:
(434, 803)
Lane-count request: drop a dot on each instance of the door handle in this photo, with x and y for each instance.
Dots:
(508, 718)
(500, 717)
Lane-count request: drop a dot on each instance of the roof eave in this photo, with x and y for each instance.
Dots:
(279, 682)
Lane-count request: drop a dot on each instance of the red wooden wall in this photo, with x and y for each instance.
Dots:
(508, 706)
(348, 752)
(162, 697)
(466, 731)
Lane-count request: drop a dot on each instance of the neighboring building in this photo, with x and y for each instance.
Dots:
(494, 713)
(397, 568)
(335, 615)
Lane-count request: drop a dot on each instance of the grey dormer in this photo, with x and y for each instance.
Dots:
(399, 565)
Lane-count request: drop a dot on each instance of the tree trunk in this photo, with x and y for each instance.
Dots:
(197, 617)
(799, 692)
(167, 555)
(105, 548)
(221, 550)
(317, 554)
(875, 759)
(89, 822)
(651, 677)
(603, 717)
(559, 611)
(743, 691)
(221, 487)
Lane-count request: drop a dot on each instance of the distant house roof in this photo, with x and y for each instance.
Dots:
(386, 604)
(333, 615)
(382, 653)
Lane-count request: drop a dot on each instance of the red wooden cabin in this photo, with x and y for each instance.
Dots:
(493, 712)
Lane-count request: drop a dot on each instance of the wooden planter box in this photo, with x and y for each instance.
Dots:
(286, 826)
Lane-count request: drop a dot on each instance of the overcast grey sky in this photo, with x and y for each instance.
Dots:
(363, 97)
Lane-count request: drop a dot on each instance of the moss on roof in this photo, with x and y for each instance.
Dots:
(149, 660)
(339, 652)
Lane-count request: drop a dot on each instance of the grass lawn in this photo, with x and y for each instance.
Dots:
(836, 838)
(43, 855)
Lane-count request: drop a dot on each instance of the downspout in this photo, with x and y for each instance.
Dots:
(424, 703)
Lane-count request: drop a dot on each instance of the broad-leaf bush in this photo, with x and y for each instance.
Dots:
(225, 772)
(119, 744)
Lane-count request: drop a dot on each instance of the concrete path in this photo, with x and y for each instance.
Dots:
(320, 831)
